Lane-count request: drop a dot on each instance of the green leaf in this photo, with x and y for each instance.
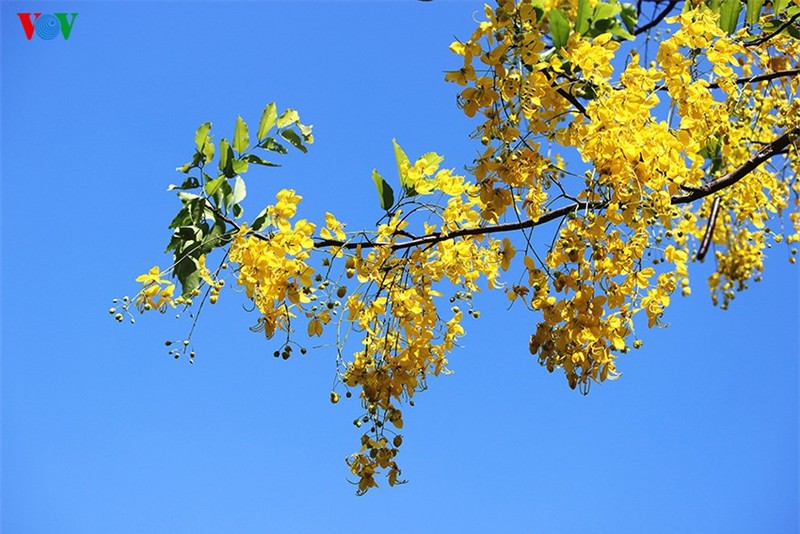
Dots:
(288, 117)
(225, 155)
(224, 195)
(271, 144)
(239, 190)
(305, 131)
(182, 218)
(238, 210)
(208, 151)
(252, 158)
(619, 31)
(241, 137)
(432, 161)
(260, 221)
(582, 22)
(239, 166)
(403, 165)
(729, 15)
(792, 31)
(197, 159)
(227, 160)
(214, 235)
(606, 11)
(753, 12)
(201, 135)
(294, 139)
(385, 192)
(559, 27)
(629, 17)
(212, 186)
(187, 271)
(779, 5)
(268, 118)
(188, 197)
(190, 183)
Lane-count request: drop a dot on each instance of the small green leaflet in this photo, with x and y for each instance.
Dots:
(189, 183)
(559, 27)
(305, 131)
(268, 118)
(252, 158)
(629, 17)
(226, 160)
(212, 186)
(403, 165)
(753, 11)
(294, 139)
(271, 144)
(241, 137)
(260, 221)
(239, 190)
(606, 11)
(385, 192)
(288, 117)
(729, 15)
(201, 135)
(582, 22)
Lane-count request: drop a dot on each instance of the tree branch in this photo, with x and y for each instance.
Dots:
(768, 151)
(753, 79)
(761, 77)
(765, 38)
(712, 221)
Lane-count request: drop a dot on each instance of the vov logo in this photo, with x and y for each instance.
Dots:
(46, 25)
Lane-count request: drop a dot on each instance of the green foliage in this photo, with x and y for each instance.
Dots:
(385, 192)
(241, 137)
(209, 203)
(606, 17)
(559, 27)
(729, 15)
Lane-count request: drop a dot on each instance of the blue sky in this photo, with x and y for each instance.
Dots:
(103, 432)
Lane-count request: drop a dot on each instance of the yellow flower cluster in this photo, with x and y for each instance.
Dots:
(273, 271)
(406, 336)
(156, 293)
(594, 280)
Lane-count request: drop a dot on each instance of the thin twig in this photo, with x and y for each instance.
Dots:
(765, 38)
(657, 19)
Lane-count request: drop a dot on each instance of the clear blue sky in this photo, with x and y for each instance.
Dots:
(103, 432)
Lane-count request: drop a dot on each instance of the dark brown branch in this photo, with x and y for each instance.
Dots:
(766, 152)
(712, 221)
(481, 230)
(569, 97)
(661, 16)
(572, 100)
